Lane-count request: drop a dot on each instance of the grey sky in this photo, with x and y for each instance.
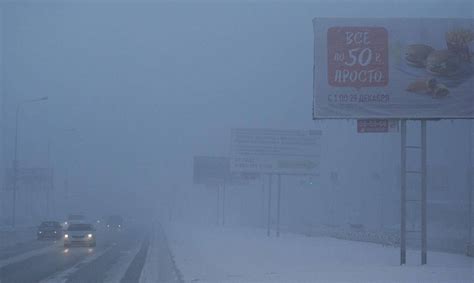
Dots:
(148, 86)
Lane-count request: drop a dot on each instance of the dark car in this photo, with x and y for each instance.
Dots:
(49, 230)
(114, 222)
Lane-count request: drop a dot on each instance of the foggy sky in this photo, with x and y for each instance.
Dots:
(148, 86)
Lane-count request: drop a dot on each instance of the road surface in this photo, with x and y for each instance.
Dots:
(118, 257)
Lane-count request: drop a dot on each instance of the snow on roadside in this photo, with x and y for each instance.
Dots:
(211, 254)
(150, 271)
(159, 264)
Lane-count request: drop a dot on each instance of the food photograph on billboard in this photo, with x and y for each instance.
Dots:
(396, 68)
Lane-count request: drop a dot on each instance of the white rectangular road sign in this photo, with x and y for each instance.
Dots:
(275, 151)
(209, 170)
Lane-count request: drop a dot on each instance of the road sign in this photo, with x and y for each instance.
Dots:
(30, 178)
(275, 151)
(377, 126)
(210, 170)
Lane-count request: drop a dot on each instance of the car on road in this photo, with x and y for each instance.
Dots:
(74, 218)
(114, 223)
(80, 234)
(49, 230)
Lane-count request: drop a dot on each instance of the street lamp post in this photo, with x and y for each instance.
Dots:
(470, 171)
(50, 202)
(15, 155)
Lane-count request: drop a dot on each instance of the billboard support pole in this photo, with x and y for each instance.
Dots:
(470, 247)
(218, 204)
(403, 133)
(263, 201)
(223, 204)
(278, 206)
(423, 193)
(269, 212)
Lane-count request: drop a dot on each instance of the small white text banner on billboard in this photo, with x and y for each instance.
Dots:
(269, 151)
(394, 68)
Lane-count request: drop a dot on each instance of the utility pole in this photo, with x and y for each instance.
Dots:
(269, 213)
(470, 172)
(278, 206)
(3, 106)
(15, 156)
(223, 204)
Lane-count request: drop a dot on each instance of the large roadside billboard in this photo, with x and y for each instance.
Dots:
(393, 68)
(272, 151)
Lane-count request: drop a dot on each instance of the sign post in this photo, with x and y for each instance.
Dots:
(423, 193)
(403, 191)
(470, 173)
(223, 204)
(269, 213)
(278, 206)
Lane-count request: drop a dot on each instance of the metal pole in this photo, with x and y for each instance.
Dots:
(470, 172)
(48, 204)
(48, 187)
(263, 200)
(223, 205)
(218, 204)
(3, 100)
(15, 167)
(269, 213)
(278, 205)
(423, 193)
(403, 188)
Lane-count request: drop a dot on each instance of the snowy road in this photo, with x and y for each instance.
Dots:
(127, 256)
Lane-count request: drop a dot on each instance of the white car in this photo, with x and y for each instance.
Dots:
(79, 234)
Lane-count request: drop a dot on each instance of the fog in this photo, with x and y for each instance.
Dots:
(136, 89)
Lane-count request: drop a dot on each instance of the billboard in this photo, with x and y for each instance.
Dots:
(393, 68)
(271, 151)
(30, 178)
(208, 170)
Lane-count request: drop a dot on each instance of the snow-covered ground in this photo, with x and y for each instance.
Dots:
(213, 254)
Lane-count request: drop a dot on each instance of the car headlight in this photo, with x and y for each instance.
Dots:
(89, 236)
(66, 236)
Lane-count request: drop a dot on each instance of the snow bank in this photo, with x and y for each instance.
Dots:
(211, 254)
